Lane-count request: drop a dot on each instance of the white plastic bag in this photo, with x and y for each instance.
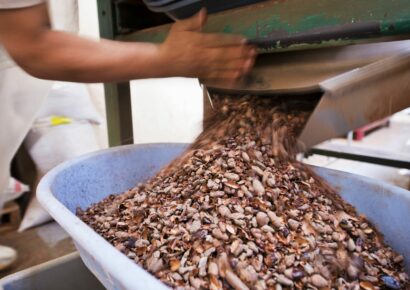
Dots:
(70, 100)
(49, 146)
(14, 190)
(63, 130)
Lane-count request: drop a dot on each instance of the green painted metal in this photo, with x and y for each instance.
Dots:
(302, 23)
(344, 21)
(106, 19)
(117, 95)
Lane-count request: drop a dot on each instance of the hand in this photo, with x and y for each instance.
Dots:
(188, 52)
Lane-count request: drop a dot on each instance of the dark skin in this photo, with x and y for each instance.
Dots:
(187, 52)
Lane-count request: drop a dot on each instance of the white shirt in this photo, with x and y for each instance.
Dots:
(10, 4)
(21, 96)
(5, 60)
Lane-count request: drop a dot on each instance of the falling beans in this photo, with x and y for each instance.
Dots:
(237, 211)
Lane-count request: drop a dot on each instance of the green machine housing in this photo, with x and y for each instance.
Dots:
(307, 42)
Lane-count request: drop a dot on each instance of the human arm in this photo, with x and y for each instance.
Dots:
(57, 55)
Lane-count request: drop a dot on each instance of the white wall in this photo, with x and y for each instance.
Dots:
(164, 110)
(64, 15)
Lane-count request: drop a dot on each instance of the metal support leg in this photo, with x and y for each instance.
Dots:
(119, 114)
(117, 95)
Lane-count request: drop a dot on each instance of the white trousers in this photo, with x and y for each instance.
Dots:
(21, 96)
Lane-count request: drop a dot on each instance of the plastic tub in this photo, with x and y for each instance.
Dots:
(186, 8)
(89, 179)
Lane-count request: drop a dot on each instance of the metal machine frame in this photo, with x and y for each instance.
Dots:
(117, 95)
(270, 26)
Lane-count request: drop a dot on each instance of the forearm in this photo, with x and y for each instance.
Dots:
(63, 56)
(187, 52)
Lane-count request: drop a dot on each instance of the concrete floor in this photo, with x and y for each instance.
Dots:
(37, 246)
(48, 242)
